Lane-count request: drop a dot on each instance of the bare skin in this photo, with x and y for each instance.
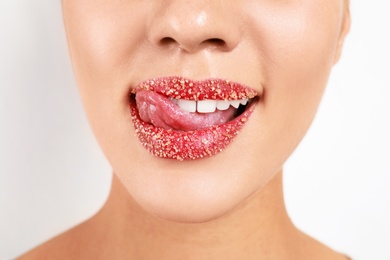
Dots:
(258, 229)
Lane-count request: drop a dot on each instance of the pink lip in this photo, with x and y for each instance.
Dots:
(182, 88)
(195, 144)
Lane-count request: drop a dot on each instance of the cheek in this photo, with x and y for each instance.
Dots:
(102, 42)
(296, 47)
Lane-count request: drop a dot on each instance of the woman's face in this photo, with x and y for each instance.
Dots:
(277, 53)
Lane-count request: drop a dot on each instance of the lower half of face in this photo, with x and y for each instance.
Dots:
(161, 81)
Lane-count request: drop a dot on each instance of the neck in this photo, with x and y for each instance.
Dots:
(257, 227)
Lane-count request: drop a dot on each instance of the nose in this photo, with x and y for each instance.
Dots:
(195, 25)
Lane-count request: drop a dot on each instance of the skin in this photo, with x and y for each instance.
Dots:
(229, 206)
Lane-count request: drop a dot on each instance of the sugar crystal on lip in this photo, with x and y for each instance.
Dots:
(190, 145)
(177, 87)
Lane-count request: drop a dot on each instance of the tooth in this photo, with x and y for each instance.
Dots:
(206, 106)
(223, 104)
(235, 103)
(244, 102)
(187, 105)
(174, 100)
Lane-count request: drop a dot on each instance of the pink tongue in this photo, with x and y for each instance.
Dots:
(160, 111)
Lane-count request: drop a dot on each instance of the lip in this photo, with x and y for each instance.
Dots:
(194, 144)
(183, 88)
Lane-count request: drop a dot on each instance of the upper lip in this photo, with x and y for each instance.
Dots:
(177, 87)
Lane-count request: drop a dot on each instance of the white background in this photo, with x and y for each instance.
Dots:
(53, 176)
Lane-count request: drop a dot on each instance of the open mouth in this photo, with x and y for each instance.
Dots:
(177, 118)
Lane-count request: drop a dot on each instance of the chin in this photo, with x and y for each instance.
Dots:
(198, 203)
(190, 192)
(189, 214)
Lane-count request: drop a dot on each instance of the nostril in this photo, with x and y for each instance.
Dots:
(167, 41)
(192, 46)
(215, 41)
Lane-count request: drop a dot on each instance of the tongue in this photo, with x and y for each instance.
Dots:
(160, 111)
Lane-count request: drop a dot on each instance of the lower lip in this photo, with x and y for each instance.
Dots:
(187, 145)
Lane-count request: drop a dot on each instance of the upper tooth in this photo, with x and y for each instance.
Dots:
(187, 105)
(223, 104)
(206, 106)
(244, 102)
(174, 100)
(235, 103)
